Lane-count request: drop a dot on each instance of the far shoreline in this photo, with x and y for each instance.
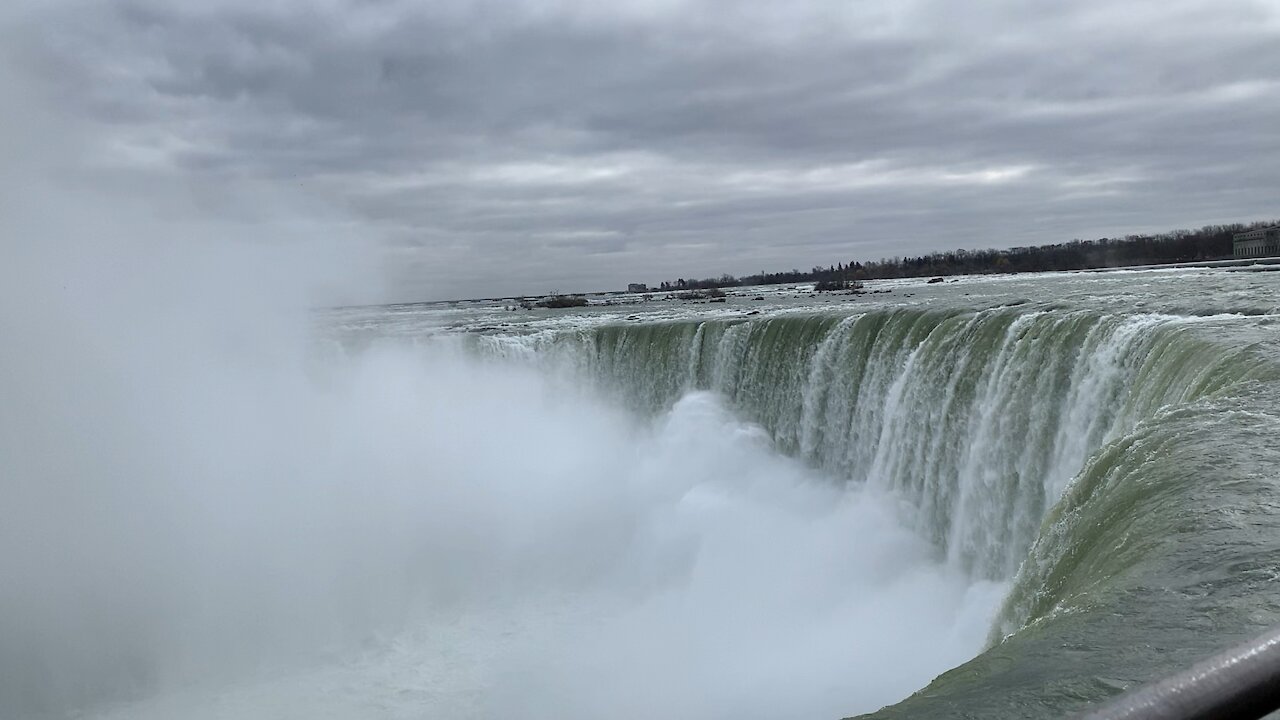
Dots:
(1227, 263)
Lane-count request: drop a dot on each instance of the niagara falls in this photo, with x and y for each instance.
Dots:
(453, 360)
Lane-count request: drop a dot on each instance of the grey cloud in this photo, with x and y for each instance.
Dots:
(597, 145)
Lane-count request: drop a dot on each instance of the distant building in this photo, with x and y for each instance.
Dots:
(1262, 242)
(637, 288)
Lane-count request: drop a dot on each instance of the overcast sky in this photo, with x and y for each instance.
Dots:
(500, 147)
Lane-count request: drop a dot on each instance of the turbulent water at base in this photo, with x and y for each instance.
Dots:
(1035, 491)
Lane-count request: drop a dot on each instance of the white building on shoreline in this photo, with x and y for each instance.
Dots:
(1261, 242)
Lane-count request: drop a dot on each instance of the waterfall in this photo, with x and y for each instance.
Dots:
(979, 420)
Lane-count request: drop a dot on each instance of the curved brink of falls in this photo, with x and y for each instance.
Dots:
(982, 421)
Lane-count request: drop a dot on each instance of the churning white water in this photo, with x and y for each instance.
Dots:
(405, 533)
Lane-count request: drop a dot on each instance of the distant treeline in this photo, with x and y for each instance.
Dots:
(1212, 242)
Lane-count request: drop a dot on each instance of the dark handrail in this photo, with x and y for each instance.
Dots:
(1241, 683)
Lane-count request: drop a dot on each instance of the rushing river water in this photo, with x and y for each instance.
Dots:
(1010, 496)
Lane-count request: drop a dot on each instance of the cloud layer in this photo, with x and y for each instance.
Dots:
(510, 146)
